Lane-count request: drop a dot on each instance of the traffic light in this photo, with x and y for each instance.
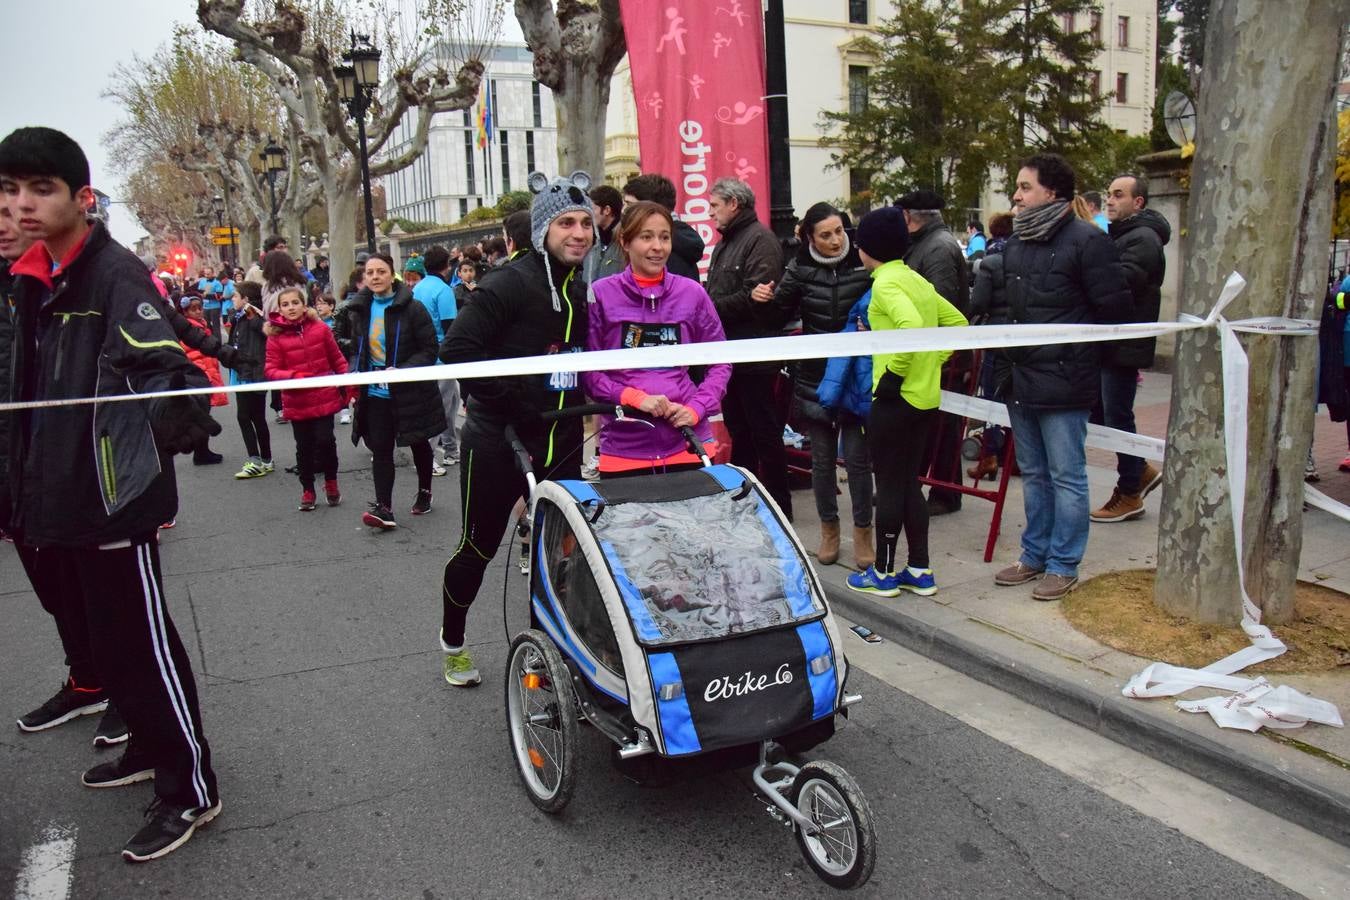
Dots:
(180, 260)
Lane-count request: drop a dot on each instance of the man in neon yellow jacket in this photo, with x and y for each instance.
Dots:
(906, 389)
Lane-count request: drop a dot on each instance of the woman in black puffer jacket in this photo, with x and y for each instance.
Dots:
(408, 413)
(820, 285)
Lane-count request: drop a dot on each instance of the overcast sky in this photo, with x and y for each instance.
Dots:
(58, 83)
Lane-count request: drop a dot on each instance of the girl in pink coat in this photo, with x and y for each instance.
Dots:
(300, 345)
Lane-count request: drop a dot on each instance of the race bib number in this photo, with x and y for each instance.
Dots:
(650, 334)
(562, 381)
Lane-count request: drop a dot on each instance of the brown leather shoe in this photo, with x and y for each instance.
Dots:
(1054, 587)
(1017, 573)
(987, 467)
(864, 548)
(1120, 508)
(1150, 480)
(829, 543)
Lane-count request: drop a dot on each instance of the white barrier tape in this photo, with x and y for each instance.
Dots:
(868, 343)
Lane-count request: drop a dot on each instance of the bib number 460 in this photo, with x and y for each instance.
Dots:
(562, 381)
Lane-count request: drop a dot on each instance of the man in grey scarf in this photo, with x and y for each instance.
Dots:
(1057, 269)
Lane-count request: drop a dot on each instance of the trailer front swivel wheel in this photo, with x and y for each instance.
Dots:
(541, 717)
(843, 848)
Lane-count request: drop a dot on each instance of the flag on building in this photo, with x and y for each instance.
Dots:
(484, 117)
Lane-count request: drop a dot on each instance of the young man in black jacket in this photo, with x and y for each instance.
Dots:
(1140, 235)
(93, 483)
(533, 305)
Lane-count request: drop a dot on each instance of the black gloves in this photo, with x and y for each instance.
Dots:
(181, 423)
(888, 388)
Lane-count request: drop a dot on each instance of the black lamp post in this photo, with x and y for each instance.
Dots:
(273, 160)
(357, 82)
(218, 207)
(781, 217)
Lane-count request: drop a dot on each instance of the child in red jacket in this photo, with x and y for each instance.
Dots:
(196, 316)
(300, 345)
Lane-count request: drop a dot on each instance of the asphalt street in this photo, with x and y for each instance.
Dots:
(348, 768)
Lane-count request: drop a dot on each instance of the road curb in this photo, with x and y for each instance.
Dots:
(1305, 803)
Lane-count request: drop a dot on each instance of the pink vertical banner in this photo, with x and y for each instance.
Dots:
(698, 81)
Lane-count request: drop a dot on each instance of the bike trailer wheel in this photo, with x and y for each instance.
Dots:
(541, 719)
(843, 850)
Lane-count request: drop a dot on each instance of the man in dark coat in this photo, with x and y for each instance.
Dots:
(686, 247)
(1140, 235)
(1057, 269)
(748, 255)
(936, 255)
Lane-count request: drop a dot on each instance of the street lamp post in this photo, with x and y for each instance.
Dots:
(229, 218)
(781, 216)
(273, 160)
(218, 206)
(357, 82)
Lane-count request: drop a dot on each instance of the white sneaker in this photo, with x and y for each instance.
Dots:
(437, 469)
(590, 471)
(345, 417)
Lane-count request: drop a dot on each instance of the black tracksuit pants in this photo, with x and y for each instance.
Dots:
(897, 435)
(756, 431)
(315, 449)
(110, 611)
(489, 485)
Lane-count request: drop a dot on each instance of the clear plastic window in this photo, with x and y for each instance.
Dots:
(574, 585)
(708, 566)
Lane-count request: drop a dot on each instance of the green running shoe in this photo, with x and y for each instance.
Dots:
(252, 469)
(460, 670)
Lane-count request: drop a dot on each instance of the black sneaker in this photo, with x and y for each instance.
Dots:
(167, 827)
(126, 769)
(70, 702)
(422, 505)
(378, 516)
(112, 729)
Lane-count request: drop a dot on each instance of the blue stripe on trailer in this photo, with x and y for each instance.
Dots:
(795, 588)
(581, 490)
(677, 725)
(560, 637)
(726, 476)
(637, 608)
(825, 686)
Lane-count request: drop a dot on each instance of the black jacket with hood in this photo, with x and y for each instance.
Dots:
(686, 249)
(409, 342)
(1073, 277)
(513, 315)
(747, 255)
(91, 474)
(1140, 240)
(935, 254)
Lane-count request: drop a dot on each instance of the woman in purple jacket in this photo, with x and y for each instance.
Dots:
(647, 306)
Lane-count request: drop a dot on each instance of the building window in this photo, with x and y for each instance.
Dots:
(1122, 87)
(492, 93)
(1066, 23)
(1096, 27)
(506, 163)
(857, 12)
(538, 103)
(857, 89)
(529, 151)
(463, 207)
(1096, 84)
(468, 162)
(1122, 31)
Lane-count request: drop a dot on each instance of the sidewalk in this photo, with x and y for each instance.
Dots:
(1003, 637)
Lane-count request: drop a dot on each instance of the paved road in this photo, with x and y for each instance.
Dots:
(349, 769)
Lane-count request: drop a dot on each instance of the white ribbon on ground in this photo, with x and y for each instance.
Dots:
(1158, 680)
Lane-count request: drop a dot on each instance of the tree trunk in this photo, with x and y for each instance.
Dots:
(341, 209)
(1260, 205)
(581, 119)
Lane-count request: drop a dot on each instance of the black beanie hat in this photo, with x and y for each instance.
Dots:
(882, 234)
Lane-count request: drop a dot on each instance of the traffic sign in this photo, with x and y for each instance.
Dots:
(222, 241)
(224, 231)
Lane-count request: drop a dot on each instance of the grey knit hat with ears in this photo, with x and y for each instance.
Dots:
(551, 200)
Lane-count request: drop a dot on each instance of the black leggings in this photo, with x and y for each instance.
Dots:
(380, 431)
(251, 413)
(897, 435)
(315, 450)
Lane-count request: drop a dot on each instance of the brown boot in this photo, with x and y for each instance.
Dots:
(987, 467)
(864, 548)
(829, 543)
